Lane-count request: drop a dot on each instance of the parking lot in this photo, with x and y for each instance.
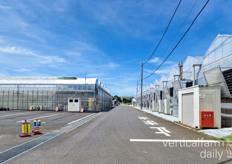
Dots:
(10, 124)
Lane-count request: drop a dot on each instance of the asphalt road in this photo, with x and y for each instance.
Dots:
(10, 124)
(106, 138)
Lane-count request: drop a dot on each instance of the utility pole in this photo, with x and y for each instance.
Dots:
(181, 69)
(137, 100)
(141, 105)
(137, 88)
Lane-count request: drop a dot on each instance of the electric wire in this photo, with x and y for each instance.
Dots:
(181, 26)
(179, 40)
(163, 33)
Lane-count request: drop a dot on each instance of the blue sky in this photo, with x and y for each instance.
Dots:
(106, 39)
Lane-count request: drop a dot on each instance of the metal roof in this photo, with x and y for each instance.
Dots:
(50, 80)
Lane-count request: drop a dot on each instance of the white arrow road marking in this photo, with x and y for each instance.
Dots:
(150, 122)
(143, 118)
(162, 130)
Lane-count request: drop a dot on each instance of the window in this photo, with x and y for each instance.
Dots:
(171, 92)
(70, 100)
(189, 84)
(161, 95)
(76, 100)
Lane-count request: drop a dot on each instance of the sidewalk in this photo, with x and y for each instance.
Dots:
(161, 115)
(217, 132)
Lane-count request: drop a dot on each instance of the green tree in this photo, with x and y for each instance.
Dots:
(124, 100)
(118, 98)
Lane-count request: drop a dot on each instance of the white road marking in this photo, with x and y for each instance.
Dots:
(80, 124)
(162, 130)
(150, 122)
(80, 119)
(143, 118)
(12, 114)
(164, 140)
(60, 132)
(40, 117)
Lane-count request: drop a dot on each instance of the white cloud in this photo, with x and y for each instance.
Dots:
(147, 70)
(51, 59)
(155, 60)
(123, 84)
(15, 50)
(5, 7)
(125, 90)
(22, 70)
(96, 75)
(73, 53)
(133, 17)
(112, 65)
(165, 70)
(40, 58)
(105, 67)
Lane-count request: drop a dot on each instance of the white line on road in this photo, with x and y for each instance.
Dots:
(150, 122)
(40, 117)
(12, 114)
(79, 125)
(42, 139)
(162, 130)
(81, 119)
(164, 140)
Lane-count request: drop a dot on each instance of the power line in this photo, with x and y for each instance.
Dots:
(179, 40)
(163, 33)
(180, 27)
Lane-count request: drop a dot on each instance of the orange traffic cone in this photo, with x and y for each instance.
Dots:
(56, 109)
(82, 110)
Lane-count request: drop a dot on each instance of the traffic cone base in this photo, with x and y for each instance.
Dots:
(24, 135)
(36, 133)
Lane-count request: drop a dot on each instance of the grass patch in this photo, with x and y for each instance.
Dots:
(227, 139)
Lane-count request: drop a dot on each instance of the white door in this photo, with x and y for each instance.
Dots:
(187, 111)
(74, 104)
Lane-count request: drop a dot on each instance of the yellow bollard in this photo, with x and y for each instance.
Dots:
(37, 127)
(25, 129)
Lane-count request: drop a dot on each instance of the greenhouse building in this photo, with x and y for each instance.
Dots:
(193, 87)
(53, 93)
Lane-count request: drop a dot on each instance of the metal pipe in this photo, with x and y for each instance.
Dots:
(141, 86)
(181, 69)
(175, 77)
(163, 89)
(194, 73)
